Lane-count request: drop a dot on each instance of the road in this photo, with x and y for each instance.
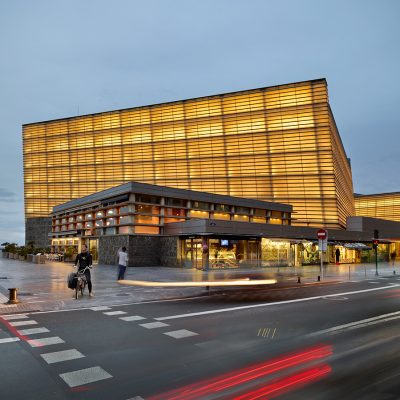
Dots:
(319, 341)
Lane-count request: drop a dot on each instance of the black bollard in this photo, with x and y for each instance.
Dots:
(319, 278)
(13, 296)
(298, 280)
(394, 272)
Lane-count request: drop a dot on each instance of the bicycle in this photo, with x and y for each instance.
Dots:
(80, 282)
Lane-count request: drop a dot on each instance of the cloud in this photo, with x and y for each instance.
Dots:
(6, 195)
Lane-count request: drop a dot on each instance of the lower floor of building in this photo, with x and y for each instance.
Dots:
(222, 252)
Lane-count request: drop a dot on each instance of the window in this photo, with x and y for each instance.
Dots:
(224, 216)
(111, 221)
(99, 214)
(175, 212)
(222, 207)
(111, 211)
(125, 209)
(89, 216)
(143, 198)
(99, 222)
(175, 202)
(200, 205)
(126, 219)
(242, 210)
(79, 217)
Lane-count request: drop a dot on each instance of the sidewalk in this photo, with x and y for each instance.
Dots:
(43, 286)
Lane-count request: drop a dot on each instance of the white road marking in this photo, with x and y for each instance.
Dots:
(132, 318)
(33, 331)
(14, 316)
(182, 333)
(85, 376)
(136, 398)
(59, 356)
(119, 305)
(270, 304)
(45, 341)
(114, 312)
(100, 308)
(8, 340)
(152, 325)
(358, 324)
(374, 282)
(20, 323)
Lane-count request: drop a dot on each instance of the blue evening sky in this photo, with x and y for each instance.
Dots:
(61, 58)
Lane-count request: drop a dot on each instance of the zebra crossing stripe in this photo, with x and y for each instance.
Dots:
(45, 341)
(152, 325)
(114, 312)
(59, 356)
(20, 323)
(180, 334)
(33, 331)
(14, 316)
(85, 376)
(8, 340)
(132, 318)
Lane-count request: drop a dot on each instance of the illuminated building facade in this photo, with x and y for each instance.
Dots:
(381, 205)
(136, 215)
(277, 144)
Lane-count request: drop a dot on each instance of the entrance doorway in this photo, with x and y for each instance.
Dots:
(94, 250)
(193, 255)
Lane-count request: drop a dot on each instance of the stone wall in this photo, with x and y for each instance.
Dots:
(144, 251)
(169, 251)
(37, 230)
(109, 246)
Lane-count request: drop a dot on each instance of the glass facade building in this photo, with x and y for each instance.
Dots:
(381, 205)
(277, 144)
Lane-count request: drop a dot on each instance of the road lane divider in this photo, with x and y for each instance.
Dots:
(277, 303)
(357, 324)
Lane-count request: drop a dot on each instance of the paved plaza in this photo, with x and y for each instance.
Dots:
(44, 286)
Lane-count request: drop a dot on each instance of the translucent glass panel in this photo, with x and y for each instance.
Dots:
(276, 144)
(385, 206)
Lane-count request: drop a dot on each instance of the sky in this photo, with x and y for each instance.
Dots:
(61, 58)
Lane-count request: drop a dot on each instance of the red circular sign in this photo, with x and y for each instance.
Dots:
(321, 234)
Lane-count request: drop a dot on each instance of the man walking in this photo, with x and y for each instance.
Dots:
(83, 260)
(122, 262)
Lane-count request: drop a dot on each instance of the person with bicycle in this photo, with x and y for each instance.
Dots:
(84, 261)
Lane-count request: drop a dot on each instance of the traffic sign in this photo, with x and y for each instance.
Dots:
(322, 234)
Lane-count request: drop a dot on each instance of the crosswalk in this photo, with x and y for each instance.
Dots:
(27, 330)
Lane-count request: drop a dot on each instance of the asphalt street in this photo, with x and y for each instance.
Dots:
(316, 341)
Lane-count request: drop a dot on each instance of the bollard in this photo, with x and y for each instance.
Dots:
(298, 280)
(208, 290)
(319, 278)
(349, 272)
(394, 272)
(13, 296)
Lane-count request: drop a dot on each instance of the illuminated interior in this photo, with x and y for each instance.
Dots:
(276, 144)
(385, 205)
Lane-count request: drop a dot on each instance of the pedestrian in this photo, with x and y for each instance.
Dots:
(393, 256)
(337, 255)
(83, 260)
(122, 263)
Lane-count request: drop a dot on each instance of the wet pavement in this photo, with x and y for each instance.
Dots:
(44, 286)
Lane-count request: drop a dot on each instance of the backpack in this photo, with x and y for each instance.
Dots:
(71, 281)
